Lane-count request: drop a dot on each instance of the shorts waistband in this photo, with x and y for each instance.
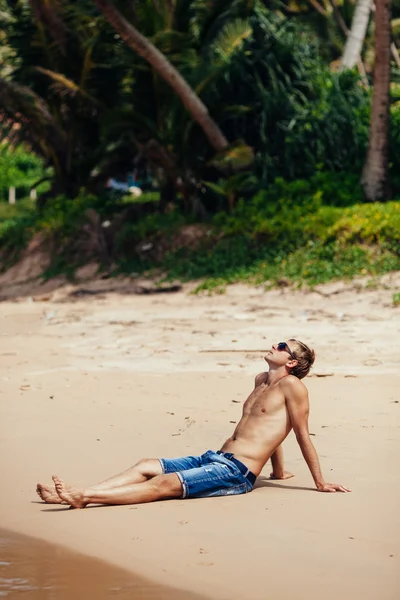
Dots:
(251, 478)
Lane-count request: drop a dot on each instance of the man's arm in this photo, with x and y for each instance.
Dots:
(298, 407)
(278, 472)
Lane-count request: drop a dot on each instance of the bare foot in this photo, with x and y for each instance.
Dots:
(48, 494)
(70, 494)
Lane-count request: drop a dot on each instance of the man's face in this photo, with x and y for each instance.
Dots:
(281, 353)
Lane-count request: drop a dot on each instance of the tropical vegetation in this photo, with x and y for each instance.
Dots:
(247, 123)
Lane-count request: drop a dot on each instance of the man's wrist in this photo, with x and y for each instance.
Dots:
(278, 473)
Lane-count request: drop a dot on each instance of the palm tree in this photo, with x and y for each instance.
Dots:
(375, 178)
(55, 94)
(167, 71)
(356, 36)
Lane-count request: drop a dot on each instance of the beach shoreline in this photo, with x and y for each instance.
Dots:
(34, 569)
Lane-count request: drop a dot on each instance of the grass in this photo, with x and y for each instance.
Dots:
(310, 265)
(17, 210)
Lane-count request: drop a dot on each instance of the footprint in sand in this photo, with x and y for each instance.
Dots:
(372, 362)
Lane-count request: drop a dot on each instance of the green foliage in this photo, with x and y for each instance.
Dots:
(300, 115)
(67, 73)
(370, 223)
(21, 169)
(395, 145)
(396, 299)
(320, 263)
(93, 108)
(289, 232)
(17, 225)
(292, 211)
(153, 224)
(231, 38)
(284, 233)
(64, 217)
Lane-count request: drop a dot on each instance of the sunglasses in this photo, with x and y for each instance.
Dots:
(283, 346)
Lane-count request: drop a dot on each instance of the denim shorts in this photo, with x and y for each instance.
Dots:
(211, 474)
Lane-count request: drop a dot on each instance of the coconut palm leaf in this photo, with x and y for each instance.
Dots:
(67, 84)
(28, 114)
(237, 156)
(231, 38)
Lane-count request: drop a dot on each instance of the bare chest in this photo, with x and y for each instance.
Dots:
(264, 401)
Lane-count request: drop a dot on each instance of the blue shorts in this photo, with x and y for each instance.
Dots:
(211, 474)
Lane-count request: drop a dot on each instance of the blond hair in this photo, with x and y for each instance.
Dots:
(305, 357)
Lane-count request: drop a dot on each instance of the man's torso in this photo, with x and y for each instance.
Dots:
(264, 425)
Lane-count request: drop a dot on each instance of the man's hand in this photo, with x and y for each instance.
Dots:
(332, 488)
(283, 475)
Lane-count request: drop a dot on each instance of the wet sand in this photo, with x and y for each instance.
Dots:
(31, 569)
(89, 386)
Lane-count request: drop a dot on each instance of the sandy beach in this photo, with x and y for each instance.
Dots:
(95, 377)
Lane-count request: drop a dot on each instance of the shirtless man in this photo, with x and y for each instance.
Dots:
(278, 403)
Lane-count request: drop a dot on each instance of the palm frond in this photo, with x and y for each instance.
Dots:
(237, 156)
(69, 85)
(231, 38)
(25, 117)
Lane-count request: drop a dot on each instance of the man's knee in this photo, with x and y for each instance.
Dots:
(149, 467)
(168, 486)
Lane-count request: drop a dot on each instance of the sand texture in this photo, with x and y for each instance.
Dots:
(92, 379)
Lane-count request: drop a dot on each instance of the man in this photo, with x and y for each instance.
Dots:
(278, 403)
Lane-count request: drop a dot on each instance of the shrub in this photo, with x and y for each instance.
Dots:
(21, 169)
(377, 223)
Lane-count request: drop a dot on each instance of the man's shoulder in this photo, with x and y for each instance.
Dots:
(261, 378)
(293, 385)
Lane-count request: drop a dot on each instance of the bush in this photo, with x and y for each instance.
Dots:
(21, 169)
(374, 223)
(307, 242)
(290, 231)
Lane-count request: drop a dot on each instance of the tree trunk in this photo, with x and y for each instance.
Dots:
(142, 46)
(355, 39)
(167, 194)
(375, 178)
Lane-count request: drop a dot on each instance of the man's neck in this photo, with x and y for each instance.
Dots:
(275, 375)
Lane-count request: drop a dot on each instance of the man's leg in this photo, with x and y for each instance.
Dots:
(144, 470)
(159, 487)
